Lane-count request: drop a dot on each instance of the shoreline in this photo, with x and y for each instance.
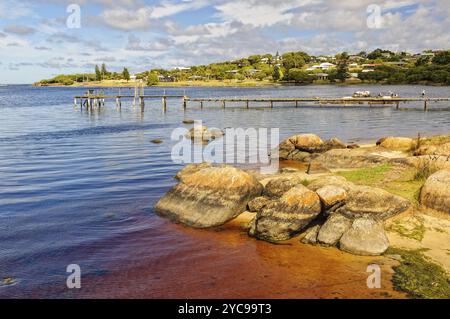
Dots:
(213, 84)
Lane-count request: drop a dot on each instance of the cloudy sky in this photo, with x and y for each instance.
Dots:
(39, 39)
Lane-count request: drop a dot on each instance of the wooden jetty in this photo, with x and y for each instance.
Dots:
(93, 98)
(270, 102)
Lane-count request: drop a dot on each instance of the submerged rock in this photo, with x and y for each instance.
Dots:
(333, 229)
(372, 202)
(435, 192)
(365, 237)
(156, 141)
(209, 197)
(188, 121)
(283, 218)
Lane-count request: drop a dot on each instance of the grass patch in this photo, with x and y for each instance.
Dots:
(419, 277)
(367, 176)
(409, 189)
(417, 232)
(435, 140)
(425, 168)
(305, 182)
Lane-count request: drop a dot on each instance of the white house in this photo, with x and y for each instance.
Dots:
(181, 68)
(326, 66)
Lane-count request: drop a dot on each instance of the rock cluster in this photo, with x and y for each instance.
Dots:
(337, 212)
(330, 210)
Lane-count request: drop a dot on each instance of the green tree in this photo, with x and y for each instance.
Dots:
(299, 76)
(152, 79)
(342, 67)
(98, 74)
(277, 73)
(295, 59)
(126, 74)
(104, 71)
(442, 58)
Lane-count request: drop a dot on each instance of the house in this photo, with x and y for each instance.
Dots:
(181, 68)
(252, 71)
(326, 66)
(165, 78)
(196, 78)
(232, 71)
(265, 60)
(321, 76)
(132, 77)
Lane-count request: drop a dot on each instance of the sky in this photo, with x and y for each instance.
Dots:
(40, 39)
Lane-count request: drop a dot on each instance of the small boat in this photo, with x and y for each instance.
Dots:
(362, 94)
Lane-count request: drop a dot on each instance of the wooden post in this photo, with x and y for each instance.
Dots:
(223, 104)
(201, 105)
(184, 102)
(247, 104)
(164, 101)
(425, 105)
(397, 106)
(142, 101)
(296, 103)
(271, 104)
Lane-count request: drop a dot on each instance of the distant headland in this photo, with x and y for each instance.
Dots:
(379, 66)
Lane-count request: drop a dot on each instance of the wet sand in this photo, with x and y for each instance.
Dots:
(226, 263)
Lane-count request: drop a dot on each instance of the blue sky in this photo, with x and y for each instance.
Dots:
(37, 42)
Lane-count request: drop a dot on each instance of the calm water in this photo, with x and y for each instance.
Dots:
(79, 187)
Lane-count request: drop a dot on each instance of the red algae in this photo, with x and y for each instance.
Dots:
(226, 263)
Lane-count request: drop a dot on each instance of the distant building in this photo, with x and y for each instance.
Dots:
(165, 78)
(196, 78)
(181, 68)
(133, 77)
(321, 76)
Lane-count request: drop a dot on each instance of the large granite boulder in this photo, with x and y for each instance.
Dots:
(365, 237)
(192, 168)
(300, 147)
(283, 218)
(333, 229)
(209, 197)
(256, 204)
(351, 158)
(331, 196)
(435, 193)
(337, 181)
(372, 202)
(397, 143)
(278, 186)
